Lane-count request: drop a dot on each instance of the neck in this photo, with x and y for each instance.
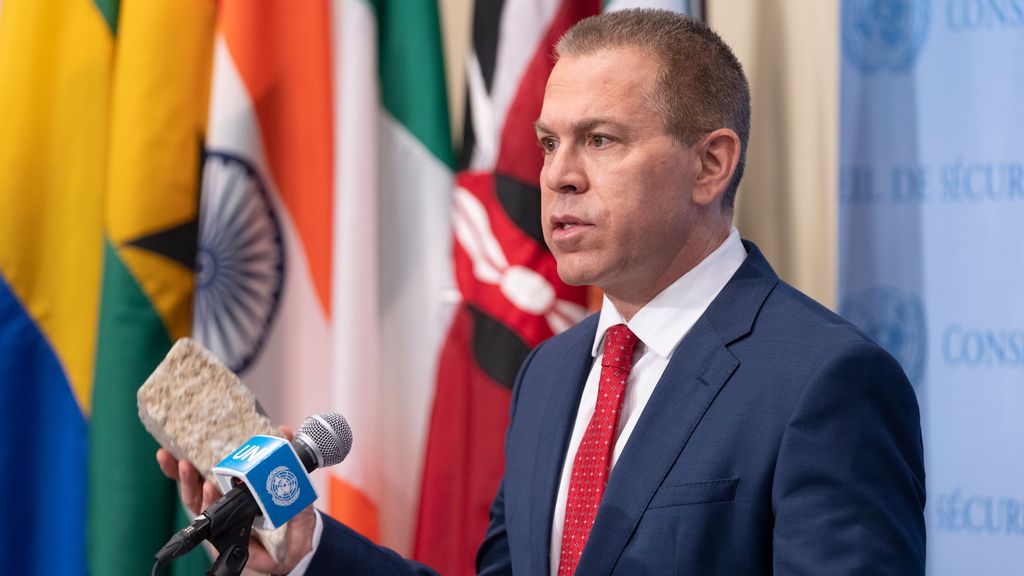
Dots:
(629, 300)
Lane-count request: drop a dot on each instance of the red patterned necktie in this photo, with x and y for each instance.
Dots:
(593, 459)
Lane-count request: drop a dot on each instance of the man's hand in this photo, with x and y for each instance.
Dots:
(198, 495)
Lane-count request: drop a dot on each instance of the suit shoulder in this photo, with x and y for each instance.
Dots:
(789, 309)
(808, 336)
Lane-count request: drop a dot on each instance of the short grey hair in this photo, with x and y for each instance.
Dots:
(700, 85)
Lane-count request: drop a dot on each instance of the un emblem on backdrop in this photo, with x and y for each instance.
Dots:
(884, 34)
(240, 265)
(896, 321)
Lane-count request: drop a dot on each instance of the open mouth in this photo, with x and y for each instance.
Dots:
(567, 223)
(567, 230)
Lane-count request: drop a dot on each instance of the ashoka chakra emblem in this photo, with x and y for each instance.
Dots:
(240, 265)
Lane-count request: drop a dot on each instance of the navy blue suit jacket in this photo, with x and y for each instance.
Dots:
(780, 440)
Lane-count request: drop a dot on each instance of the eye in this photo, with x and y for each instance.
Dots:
(547, 144)
(599, 140)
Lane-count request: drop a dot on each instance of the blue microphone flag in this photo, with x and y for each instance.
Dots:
(275, 476)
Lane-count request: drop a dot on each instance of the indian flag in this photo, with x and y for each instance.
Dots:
(323, 252)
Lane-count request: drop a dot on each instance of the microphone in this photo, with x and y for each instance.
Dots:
(265, 478)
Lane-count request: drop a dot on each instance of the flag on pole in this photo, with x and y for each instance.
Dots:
(324, 231)
(511, 296)
(159, 91)
(395, 140)
(263, 279)
(104, 104)
(56, 61)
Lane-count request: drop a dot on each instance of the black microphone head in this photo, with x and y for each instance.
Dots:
(329, 437)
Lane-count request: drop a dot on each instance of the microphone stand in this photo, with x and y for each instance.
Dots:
(227, 524)
(231, 536)
(233, 544)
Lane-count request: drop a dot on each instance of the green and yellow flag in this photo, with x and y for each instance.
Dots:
(159, 99)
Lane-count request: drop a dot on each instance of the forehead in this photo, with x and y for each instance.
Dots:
(609, 83)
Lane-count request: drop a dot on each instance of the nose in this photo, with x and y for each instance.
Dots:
(563, 172)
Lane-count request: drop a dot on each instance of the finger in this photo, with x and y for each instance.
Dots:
(286, 432)
(189, 482)
(210, 494)
(298, 543)
(260, 560)
(299, 538)
(168, 463)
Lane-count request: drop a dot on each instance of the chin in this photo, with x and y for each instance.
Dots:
(574, 274)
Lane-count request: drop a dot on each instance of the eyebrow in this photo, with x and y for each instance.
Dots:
(583, 126)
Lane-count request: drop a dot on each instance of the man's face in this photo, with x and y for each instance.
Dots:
(616, 187)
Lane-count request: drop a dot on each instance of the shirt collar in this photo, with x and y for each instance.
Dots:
(663, 322)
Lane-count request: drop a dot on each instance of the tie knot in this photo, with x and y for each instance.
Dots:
(619, 344)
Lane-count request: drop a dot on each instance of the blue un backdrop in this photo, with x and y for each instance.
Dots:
(931, 196)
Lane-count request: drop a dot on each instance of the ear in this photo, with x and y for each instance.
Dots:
(718, 156)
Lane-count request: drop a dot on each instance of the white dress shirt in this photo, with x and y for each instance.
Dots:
(660, 325)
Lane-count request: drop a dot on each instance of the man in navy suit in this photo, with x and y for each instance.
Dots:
(749, 430)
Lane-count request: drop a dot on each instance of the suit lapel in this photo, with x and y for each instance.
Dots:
(566, 387)
(699, 368)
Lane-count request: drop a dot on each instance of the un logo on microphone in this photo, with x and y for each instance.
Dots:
(884, 34)
(283, 486)
(895, 320)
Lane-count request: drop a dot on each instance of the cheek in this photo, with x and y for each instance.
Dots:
(646, 208)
